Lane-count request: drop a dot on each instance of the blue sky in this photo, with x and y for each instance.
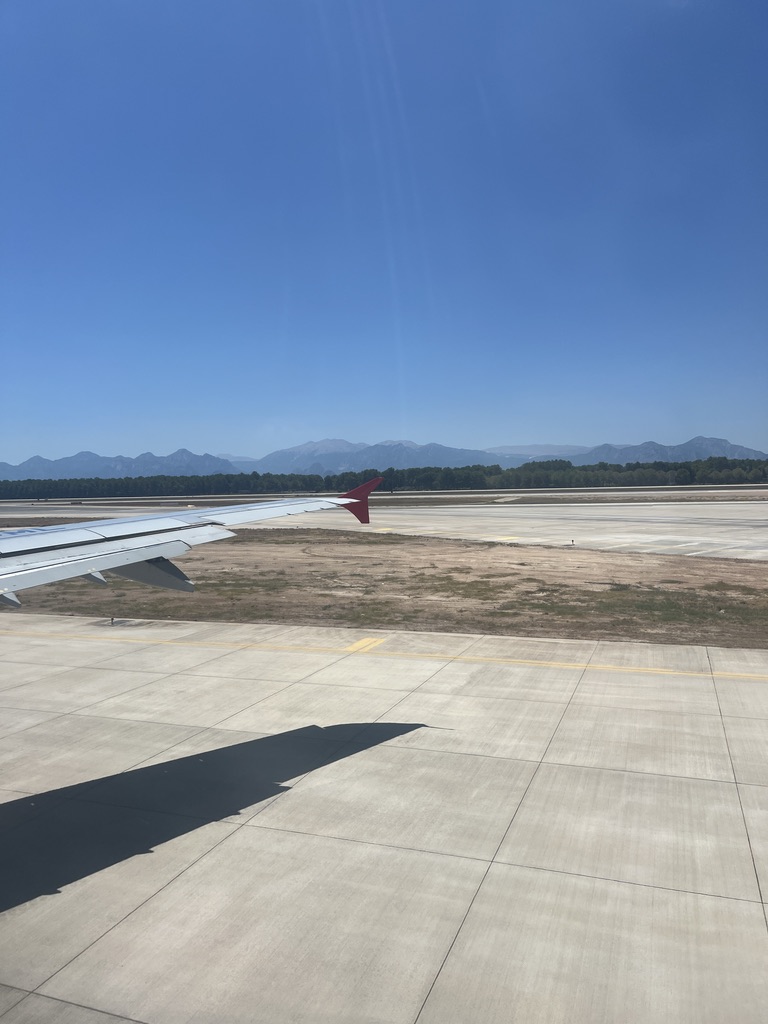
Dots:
(238, 225)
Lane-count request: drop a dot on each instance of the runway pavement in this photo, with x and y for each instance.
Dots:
(720, 529)
(259, 823)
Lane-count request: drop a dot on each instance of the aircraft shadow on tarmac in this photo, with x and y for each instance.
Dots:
(55, 838)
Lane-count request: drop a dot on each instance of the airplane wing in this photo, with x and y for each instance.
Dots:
(140, 547)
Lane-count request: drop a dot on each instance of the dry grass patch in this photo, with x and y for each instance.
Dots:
(355, 578)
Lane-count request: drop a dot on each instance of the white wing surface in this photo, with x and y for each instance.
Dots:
(140, 547)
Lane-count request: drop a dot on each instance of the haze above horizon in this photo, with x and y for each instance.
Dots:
(233, 227)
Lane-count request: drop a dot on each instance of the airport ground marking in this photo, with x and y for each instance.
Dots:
(365, 644)
(415, 655)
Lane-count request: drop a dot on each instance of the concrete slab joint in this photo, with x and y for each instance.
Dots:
(208, 823)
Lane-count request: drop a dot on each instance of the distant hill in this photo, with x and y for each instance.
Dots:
(85, 465)
(330, 456)
(547, 451)
(335, 455)
(652, 451)
(311, 457)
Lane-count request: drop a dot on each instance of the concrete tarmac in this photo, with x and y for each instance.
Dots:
(259, 823)
(718, 529)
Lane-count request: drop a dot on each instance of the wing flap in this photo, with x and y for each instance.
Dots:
(157, 572)
(38, 567)
(85, 564)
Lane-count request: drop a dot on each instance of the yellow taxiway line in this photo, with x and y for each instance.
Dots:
(367, 645)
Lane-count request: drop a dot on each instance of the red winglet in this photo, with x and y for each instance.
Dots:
(360, 496)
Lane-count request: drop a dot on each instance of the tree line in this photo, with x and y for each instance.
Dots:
(554, 473)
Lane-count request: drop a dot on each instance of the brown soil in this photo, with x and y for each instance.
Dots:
(389, 581)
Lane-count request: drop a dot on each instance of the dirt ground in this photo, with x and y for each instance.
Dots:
(311, 576)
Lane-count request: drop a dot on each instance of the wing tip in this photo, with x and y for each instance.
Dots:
(359, 495)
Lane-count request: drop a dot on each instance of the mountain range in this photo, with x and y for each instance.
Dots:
(85, 465)
(334, 455)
